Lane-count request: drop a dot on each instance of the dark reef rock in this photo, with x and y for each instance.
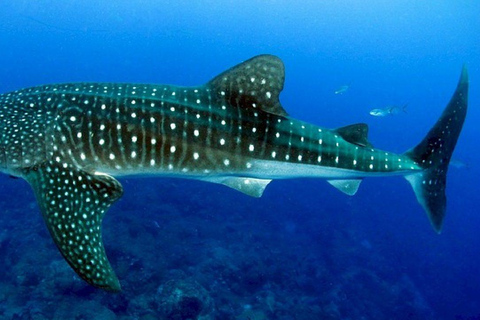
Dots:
(184, 300)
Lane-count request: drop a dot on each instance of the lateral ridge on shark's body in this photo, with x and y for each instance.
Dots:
(69, 140)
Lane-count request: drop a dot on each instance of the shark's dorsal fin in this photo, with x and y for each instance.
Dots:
(254, 83)
(356, 134)
(73, 203)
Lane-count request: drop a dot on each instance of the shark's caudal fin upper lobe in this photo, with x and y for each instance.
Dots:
(434, 153)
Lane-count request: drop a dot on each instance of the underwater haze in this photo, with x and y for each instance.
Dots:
(186, 249)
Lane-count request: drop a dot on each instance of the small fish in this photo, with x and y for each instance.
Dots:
(342, 89)
(389, 111)
(459, 164)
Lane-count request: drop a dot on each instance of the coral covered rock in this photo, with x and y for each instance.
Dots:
(184, 300)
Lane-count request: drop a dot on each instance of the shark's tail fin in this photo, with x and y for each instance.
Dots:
(434, 152)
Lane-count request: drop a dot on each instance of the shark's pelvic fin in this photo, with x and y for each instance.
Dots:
(73, 203)
(356, 134)
(434, 153)
(254, 83)
(249, 186)
(349, 187)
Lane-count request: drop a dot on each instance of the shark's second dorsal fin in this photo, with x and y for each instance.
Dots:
(73, 203)
(254, 83)
(356, 134)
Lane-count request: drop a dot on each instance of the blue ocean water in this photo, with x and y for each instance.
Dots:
(303, 250)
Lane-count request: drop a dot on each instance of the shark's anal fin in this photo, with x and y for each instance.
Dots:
(349, 187)
(73, 203)
(249, 186)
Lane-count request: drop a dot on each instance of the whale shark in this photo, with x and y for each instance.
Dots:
(69, 142)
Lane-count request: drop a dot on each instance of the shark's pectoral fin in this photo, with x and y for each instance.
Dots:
(349, 187)
(249, 186)
(73, 203)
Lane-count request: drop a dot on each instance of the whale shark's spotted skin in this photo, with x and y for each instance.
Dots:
(69, 140)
